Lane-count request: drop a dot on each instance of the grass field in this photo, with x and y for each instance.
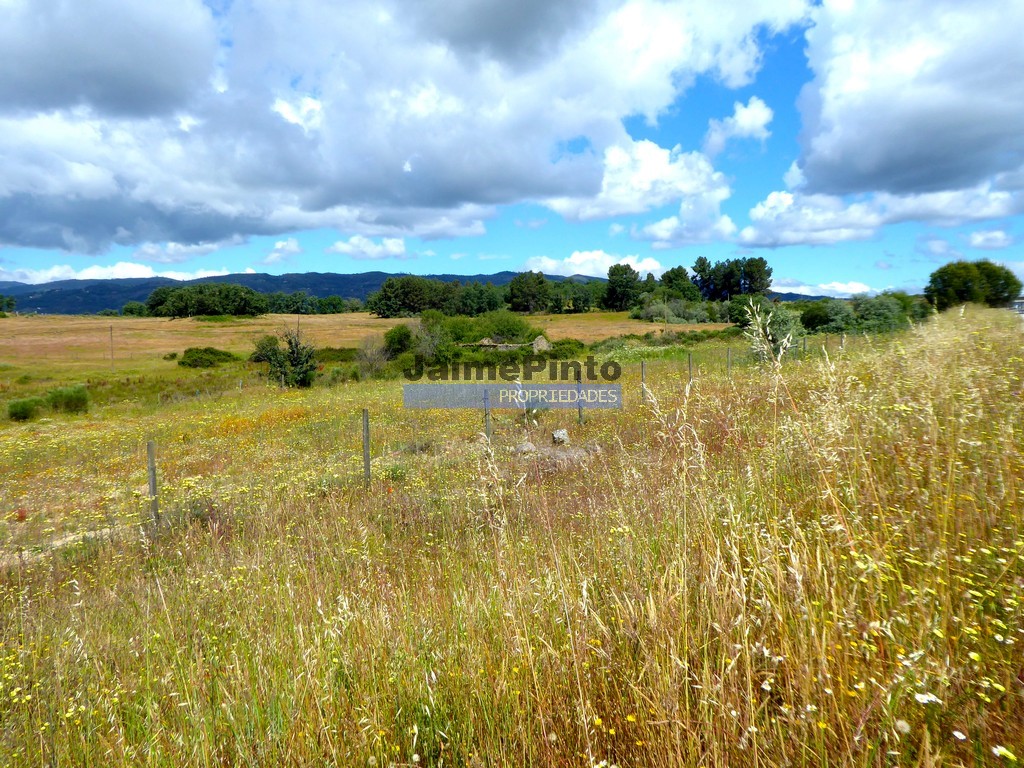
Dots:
(819, 565)
(81, 342)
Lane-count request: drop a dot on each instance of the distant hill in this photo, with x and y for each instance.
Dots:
(794, 297)
(84, 297)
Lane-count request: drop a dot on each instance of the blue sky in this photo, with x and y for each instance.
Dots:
(854, 145)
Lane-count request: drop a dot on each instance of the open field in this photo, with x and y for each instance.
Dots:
(81, 342)
(820, 565)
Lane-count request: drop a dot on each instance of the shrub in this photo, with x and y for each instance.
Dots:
(24, 409)
(294, 364)
(171, 356)
(205, 357)
(398, 340)
(566, 349)
(69, 399)
(268, 349)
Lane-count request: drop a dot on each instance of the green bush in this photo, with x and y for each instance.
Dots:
(69, 399)
(171, 356)
(566, 349)
(398, 340)
(24, 409)
(205, 357)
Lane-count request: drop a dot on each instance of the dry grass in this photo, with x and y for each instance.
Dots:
(596, 326)
(817, 567)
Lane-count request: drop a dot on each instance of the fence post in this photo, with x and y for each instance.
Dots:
(643, 380)
(487, 415)
(154, 501)
(366, 446)
(689, 361)
(728, 362)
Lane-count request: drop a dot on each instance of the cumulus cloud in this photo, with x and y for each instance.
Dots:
(749, 121)
(131, 57)
(96, 272)
(914, 97)
(130, 122)
(796, 218)
(990, 239)
(363, 248)
(592, 263)
(283, 251)
(640, 176)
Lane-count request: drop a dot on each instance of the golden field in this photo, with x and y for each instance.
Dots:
(813, 564)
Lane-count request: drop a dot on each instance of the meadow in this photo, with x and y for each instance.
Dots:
(814, 563)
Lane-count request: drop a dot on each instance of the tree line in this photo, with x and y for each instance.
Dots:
(237, 300)
(529, 292)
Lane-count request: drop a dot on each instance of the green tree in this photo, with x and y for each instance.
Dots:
(134, 309)
(529, 292)
(294, 363)
(880, 314)
(829, 316)
(981, 282)
(7, 303)
(623, 287)
(757, 276)
(1001, 285)
(677, 281)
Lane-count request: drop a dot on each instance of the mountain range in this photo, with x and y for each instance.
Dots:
(85, 297)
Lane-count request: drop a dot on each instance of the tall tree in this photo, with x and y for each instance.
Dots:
(677, 281)
(702, 277)
(757, 276)
(623, 287)
(972, 281)
(529, 292)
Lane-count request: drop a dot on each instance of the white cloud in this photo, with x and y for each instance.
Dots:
(837, 290)
(283, 251)
(119, 270)
(304, 111)
(592, 263)
(795, 218)
(748, 121)
(308, 114)
(990, 239)
(363, 248)
(913, 97)
(176, 253)
(639, 176)
(936, 248)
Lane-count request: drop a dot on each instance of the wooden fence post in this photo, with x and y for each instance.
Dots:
(689, 360)
(487, 415)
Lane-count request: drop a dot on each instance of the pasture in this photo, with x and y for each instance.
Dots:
(819, 563)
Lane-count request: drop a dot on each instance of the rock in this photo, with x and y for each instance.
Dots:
(524, 448)
(560, 437)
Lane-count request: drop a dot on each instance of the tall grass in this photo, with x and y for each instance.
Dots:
(818, 563)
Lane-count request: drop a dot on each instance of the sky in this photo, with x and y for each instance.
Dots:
(856, 146)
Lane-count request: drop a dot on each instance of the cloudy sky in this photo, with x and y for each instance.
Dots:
(856, 145)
